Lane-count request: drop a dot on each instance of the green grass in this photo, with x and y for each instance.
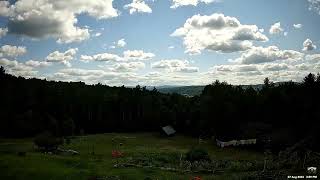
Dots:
(39, 166)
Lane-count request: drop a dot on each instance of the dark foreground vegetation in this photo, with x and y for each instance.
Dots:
(283, 117)
(278, 115)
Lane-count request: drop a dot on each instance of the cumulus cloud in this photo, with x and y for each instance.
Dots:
(250, 74)
(234, 68)
(130, 66)
(315, 58)
(118, 44)
(97, 34)
(175, 65)
(252, 67)
(13, 64)
(121, 43)
(81, 72)
(101, 57)
(276, 28)
(62, 57)
(297, 26)
(54, 18)
(92, 76)
(217, 32)
(314, 5)
(3, 32)
(178, 3)
(129, 55)
(258, 55)
(4, 8)
(37, 64)
(12, 51)
(16, 68)
(308, 45)
(138, 6)
(137, 55)
(275, 67)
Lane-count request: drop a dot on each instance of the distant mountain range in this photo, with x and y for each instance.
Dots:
(184, 90)
(197, 90)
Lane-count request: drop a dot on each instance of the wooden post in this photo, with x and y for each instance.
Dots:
(264, 165)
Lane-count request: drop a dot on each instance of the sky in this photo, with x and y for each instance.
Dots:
(160, 42)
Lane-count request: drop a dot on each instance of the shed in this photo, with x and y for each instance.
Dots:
(168, 130)
(236, 142)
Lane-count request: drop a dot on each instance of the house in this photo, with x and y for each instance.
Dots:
(223, 144)
(168, 130)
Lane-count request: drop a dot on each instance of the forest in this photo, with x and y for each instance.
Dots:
(279, 113)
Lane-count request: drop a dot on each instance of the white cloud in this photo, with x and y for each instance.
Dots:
(137, 55)
(121, 43)
(62, 57)
(125, 67)
(308, 45)
(252, 67)
(178, 3)
(97, 34)
(297, 26)
(81, 72)
(129, 55)
(314, 5)
(285, 33)
(14, 65)
(101, 57)
(4, 8)
(12, 51)
(93, 76)
(38, 64)
(55, 18)
(315, 58)
(175, 65)
(276, 28)
(171, 47)
(258, 55)
(235, 68)
(16, 68)
(3, 32)
(217, 32)
(170, 72)
(118, 44)
(138, 6)
(275, 67)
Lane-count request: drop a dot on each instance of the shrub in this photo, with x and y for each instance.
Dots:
(68, 140)
(22, 153)
(197, 154)
(47, 142)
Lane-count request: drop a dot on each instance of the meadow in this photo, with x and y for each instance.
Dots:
(158, 157)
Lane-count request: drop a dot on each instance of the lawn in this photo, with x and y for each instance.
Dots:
(95, 158)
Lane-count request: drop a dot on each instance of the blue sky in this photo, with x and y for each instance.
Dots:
(87, 40)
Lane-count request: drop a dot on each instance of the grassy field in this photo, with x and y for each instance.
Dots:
(143, 146)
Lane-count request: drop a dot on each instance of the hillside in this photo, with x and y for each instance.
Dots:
(183, 90)
(194, 90)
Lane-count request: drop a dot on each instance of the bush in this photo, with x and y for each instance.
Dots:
(22, 153)
(197, 154)
(68, 140)
(47, 142)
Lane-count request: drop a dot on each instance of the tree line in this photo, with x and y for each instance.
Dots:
(281, 112)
